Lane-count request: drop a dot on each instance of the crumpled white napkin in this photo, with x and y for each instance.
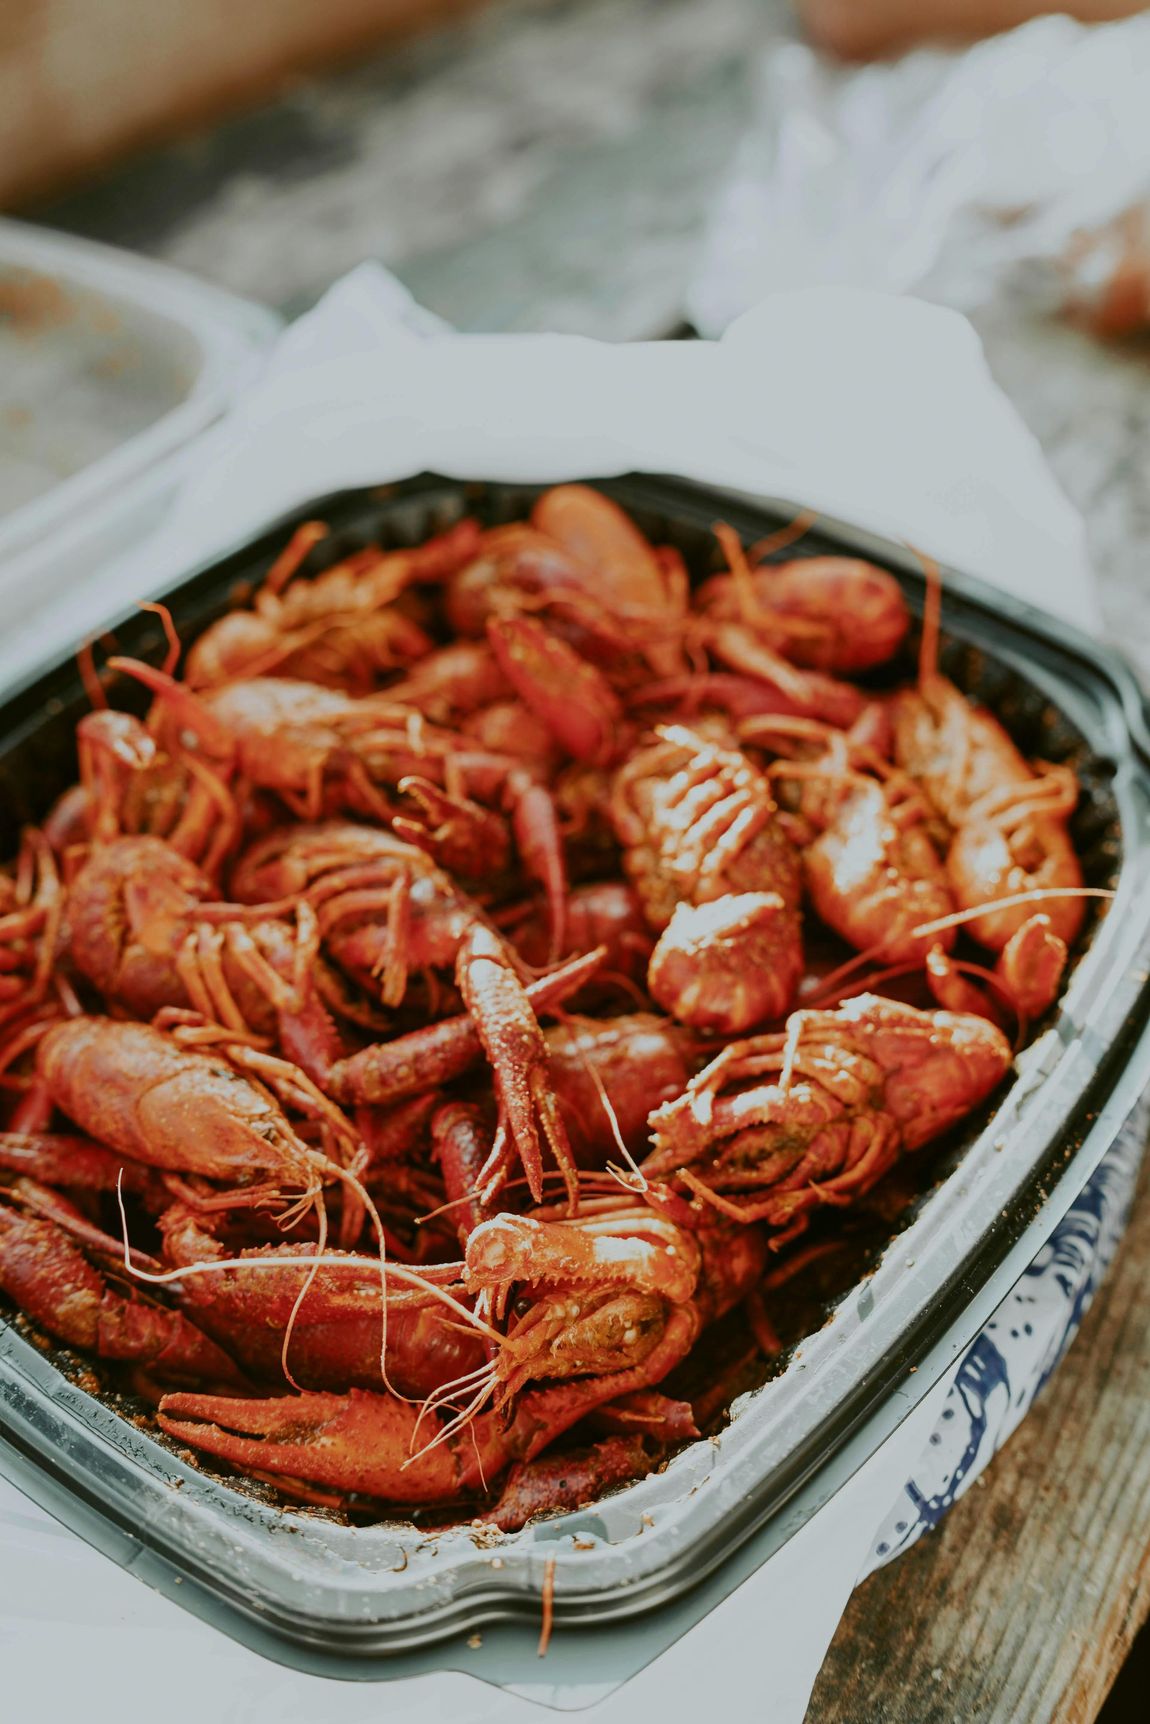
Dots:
(871, 409)
(942, 173)
(874, 410)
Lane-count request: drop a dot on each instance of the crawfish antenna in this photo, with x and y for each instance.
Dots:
(172, 656)
(288, 562)
(1015, 900)
(931, 616)
(784, 536)
(740, 570)
(90, 677)
(305, 1289)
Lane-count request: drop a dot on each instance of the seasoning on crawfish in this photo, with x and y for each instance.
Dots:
(440, 975)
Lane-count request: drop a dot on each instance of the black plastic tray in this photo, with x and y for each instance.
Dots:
(325, 1595)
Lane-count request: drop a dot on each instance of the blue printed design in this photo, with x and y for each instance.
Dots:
(1007, 1366)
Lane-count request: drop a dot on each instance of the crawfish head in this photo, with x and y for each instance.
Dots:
(382, 1447)
(937, 1066)
(633, 1248)
(579, 1333)
(603, 1290)
(844, 1091)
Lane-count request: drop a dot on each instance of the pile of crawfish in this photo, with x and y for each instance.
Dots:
(447, 1005)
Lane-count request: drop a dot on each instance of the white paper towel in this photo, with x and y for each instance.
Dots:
(870, 408)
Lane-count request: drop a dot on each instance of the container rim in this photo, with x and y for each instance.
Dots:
(228, 333)
(1070, 1083)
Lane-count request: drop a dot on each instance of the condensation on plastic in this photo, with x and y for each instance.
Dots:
(943, 174)
(372, 1588)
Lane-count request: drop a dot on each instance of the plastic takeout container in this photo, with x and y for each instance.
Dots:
(110, 366)
(649, 1558)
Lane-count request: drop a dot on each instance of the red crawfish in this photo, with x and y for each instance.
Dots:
(338, 1334)
(837, 614)
(381, 912)
(80, 1302)
(718, 877)
(739, 643)
(611, 1308)
(360, 1443)
(323, 751)
(129, 785)
(1010, 855)
(343, 627)
(383, 908)
(582, 561)
(871, 869)
(601, 1338)
(142, 930)
(779, 1125)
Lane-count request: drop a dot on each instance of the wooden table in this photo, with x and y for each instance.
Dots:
(518, 175)
(1023, 1605)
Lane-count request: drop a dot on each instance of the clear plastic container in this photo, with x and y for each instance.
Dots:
(110, 366)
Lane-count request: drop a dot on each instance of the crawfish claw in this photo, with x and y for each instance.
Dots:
(513, 1042)
(359, 1442)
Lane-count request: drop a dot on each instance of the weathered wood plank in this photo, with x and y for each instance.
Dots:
(1022, 1607)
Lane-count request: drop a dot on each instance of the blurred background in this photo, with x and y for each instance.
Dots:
(270, 147)
(629, 168)
(85, 82)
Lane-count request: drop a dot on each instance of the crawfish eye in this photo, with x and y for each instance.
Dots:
(521, 1306)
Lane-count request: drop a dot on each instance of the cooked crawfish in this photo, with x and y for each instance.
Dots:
(836, 614)
(612, 1309)
(56, 1283)
(847, 1092)
(418, 1035)
(1009, 838)
(583, 563)
(718, 877)
(871, 870)
(343, 627)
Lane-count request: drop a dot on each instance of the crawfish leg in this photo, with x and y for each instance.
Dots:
(462, 1142)
(469, 840)
(59, 1159)
(536, 826)
(513, 1042)
(562, 1482)
(430, 1057)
